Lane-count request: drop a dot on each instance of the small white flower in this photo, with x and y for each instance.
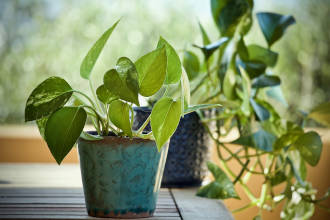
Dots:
(296, 198)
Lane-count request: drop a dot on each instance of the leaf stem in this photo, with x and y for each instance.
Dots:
(140, 130)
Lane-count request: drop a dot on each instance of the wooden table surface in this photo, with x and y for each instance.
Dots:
(48, 191)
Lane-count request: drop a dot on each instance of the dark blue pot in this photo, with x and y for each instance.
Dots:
(121, 176)
(188, 150)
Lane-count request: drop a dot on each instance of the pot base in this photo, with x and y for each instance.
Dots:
(112, 214)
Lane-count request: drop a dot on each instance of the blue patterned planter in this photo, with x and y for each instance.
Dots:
(121, 176)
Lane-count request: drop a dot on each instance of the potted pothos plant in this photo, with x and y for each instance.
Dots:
(276, 148)
(121, 168)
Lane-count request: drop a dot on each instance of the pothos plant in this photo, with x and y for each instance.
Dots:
(62, 122)
(240, 76)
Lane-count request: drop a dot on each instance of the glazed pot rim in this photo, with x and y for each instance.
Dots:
(112, 138)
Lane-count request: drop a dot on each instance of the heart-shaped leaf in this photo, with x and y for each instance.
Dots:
(128, 73)
(41, 123)
(152, 71)
(118, 86)
(191, 64)
(63, 128)
(261, 112)
(221, 188)
(321, 114)
(47, 97)
(119, 116)
(104, 95)
(253, 68)
(165, 117)
(274, 25)
(93, 54)
(310, 147)
(173, 67)
(261, 54)
(261, 140)
(266, 81)
(228, 14)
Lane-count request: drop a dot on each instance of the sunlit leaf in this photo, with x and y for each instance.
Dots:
(165, 117)
(119, 116)
(220, 188)
(274, 25)
(246, 84)
(173, 67)
(47, 97)
(93, 54)
(63, 129)
(118, 86)
(152, 71)
(104, 95)
(41, 123)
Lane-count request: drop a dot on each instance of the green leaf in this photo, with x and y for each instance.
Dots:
(310, 147)
(185, 91)
(63, 129)
(221, 188)
(261, 140)
(242, 50)
(104, 95)
(152, 71)
(206, 39)
(298, 166)
(273, 25)
(253, 68)
(47, 97)
(261, 112)
(173, 66)
(119, 116)
(266, 81)
(41, 123)
(194, 108)
(288, 138)
(261, 54)
(191, 64)
(93, 54)
(118, 86)
(228, 14)
(321, 114)
(209, 49)
(165, 117)
(90, 137)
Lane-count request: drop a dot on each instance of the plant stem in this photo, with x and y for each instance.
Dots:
(94, 95)
(86, 96)
(199, 84)
(140, 130)
(251, 204)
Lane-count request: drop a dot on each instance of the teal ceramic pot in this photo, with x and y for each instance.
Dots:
(121, 176)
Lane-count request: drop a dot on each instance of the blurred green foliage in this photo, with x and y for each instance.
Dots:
(41, 38)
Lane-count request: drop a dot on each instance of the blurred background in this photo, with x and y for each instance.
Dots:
(41, 38)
